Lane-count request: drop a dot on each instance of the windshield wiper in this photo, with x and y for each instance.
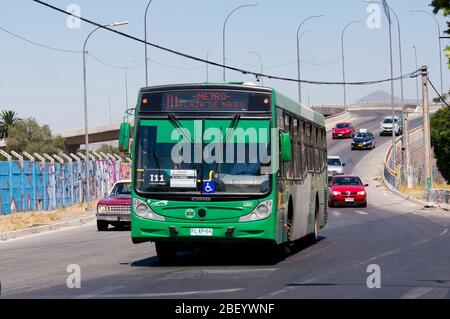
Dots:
(173, 120)
(233, 126)
(156, 157)
(229, 132)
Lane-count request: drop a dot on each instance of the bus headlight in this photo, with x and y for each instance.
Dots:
(263, 211)
(142, 210)
(101, 209)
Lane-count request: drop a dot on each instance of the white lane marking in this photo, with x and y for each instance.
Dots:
(237, 271)
(417, 292)
(361, 213)
(101, 292)
(443, 233)
(171, 294)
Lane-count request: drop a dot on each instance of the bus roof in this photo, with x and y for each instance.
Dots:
(298, 109)
(240, 86)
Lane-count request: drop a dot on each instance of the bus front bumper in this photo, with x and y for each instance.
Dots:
(145, 231)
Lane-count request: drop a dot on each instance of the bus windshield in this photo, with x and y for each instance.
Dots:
(204, 157)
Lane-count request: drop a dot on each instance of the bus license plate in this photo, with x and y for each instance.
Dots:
(349, 200)
(206, 232)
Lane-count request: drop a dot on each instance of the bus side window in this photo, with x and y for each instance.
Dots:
(288, 129)
(280, 125)
(303, 147)
(317, 157)
(297, 150)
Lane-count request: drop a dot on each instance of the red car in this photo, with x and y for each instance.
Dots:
(343, 130)
(347, 190)
(116, 208)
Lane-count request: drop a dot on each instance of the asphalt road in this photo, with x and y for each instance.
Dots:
(408, 243)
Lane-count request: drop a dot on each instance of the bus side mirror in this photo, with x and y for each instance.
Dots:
(286, 147)
(124, 137)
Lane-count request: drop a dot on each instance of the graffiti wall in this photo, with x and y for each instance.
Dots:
(28, 186)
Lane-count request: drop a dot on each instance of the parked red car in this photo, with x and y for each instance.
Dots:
(343, 130)
(116, 208)
(347, 190)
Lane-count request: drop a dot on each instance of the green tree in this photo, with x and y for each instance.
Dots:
(27, 135)
(440, 140)
(7, 120)
(105, 148)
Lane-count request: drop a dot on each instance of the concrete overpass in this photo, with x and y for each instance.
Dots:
(73, 139)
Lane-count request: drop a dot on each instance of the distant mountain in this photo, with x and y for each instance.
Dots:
(377, 96)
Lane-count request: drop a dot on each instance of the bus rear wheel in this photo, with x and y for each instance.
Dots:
(166, 252)
(314, 237)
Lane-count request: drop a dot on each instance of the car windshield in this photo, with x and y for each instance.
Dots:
(389, 121)
(334, 162)
(121, 189)
(343, 181)
(363, 135)
(343, 125)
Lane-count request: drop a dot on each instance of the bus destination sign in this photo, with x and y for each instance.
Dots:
(205, 101)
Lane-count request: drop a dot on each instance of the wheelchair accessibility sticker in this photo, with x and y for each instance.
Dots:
(209, 187)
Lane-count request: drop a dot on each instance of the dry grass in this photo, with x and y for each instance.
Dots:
(441, 186)
(20, 221)
(418, 191)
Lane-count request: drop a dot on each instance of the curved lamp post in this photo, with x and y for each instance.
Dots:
(86, 126)
(223, 34)
(298, 54)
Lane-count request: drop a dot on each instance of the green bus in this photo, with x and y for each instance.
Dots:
(225, 164)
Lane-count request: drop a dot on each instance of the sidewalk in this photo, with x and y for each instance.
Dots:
(31, 223)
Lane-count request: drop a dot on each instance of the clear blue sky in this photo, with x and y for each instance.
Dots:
(47, 85)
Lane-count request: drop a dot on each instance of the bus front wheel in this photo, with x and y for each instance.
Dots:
(166, 252)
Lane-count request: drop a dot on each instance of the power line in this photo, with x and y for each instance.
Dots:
(91, 55)
(277, 66)
(440, 96)
(39, 44)
(111, 65)
(191, 57)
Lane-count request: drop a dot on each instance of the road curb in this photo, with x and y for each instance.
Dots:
(45, 229)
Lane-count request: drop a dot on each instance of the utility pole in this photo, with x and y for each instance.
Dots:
(426, 131)
(406, 140)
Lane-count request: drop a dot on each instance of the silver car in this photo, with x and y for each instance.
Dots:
(335, 166)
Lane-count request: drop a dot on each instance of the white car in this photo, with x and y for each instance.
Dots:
(388, 124)
(335, 166)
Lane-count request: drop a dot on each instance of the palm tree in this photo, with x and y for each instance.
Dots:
(7, 120)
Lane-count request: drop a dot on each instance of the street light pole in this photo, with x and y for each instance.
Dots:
(440, 45)
(86, 125)
(207, 60)
(343, 59)
(417, 78)
(261, 63)
(298, 55)
(145, 38)
(223, 34)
